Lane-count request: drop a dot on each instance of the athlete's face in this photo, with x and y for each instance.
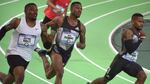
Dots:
(31, 12)
(138, 22)
(76, 10)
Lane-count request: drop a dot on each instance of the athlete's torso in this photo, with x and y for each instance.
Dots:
(24, 39)
(132, 56)
(67, 35)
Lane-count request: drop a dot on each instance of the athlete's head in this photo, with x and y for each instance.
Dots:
(76, 9)
(137, 20)
(31, 11)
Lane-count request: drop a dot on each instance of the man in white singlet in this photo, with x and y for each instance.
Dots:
(26, 34)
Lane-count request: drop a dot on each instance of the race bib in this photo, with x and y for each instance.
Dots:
(67, 40)
(26, 40)
(131, 57)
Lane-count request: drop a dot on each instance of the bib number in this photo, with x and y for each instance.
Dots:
(26, 40)
(131, 57)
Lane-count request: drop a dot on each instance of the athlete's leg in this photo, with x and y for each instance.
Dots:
(141, 77)
(58, 67)
(49, 70)
(9, 79)
(45, 20)
(19, 72)
(17, 68)
(115, 68)
(2, 76)
(135, 70)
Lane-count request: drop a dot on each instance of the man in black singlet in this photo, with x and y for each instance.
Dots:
(69, 28)
(126, 59)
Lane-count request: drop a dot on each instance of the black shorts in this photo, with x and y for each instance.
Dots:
(65, 54)
(45, 20)
(16, 60)
(119, 64)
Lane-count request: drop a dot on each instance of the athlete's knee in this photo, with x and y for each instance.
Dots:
(19, 79)
(50, 74)
(8, 79)
(141, 76)
(105, 80)
(19, 74)
(47, 76)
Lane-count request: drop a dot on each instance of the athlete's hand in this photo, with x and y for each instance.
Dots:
(57, 10)
(142, 35)
(80, 45)
(40, 51)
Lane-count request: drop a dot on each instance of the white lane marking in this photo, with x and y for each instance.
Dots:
(110, 36)
(5, 3)
(99, 18)
(77, 75)
(38, 77)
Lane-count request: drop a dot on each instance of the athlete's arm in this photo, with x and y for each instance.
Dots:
(81, 44)
(13, 24)
(65, 12)
(128, 41)
(50, 3)
(55, 24)
(47, 42)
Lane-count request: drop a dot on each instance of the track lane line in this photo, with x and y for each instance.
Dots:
(9, 2)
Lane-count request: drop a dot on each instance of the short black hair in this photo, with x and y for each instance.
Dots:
(73, 3)
(29, 4)
(136, 15)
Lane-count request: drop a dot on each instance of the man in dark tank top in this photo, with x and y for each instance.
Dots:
(126, 59)
(66, 30)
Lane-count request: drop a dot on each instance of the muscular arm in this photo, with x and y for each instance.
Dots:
(11, 25)
(128, 41)
(47, 42)
(81, 44)
(65, 12)
(47, 38)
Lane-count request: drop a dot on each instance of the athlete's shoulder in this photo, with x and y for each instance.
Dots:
(127, 31)
(14, 22)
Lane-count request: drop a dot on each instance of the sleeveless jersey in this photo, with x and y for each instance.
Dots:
(133, 56)
(67, 35)
(61, 4)
(24, 40)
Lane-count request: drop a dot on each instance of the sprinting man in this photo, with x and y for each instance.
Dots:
(126, 59)
(26, 34)
(69, 29)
